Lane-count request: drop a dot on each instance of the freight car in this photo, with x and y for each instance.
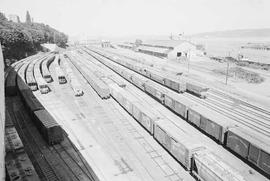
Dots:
(155, 91)
(30, 79)
(197, 89)
(192, 155)
(13, 143)
(250, 146)
(20, 167)
(45, 71)
(10, 87)
(59, 72)
(49, 128)
(99, 86)
(213, 124)
(42, 84)
(206, 165)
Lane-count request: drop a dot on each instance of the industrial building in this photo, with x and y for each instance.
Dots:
(171, 49)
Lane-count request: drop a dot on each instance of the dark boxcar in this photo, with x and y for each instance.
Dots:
(21, 84)
(237, 143)
(181, 103)
(10, 88)
(175, 84)
(250, 145)
(49, 128)
(264, 162)
(197, 89)
(31, 102)
(211, 122)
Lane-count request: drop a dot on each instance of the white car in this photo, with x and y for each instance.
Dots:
(78, 92)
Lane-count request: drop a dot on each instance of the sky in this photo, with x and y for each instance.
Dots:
(142, 17)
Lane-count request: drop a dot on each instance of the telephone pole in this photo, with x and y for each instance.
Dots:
(227, 71)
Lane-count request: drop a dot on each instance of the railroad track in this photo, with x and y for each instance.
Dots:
(242, 118)
(238, 107)
(80, 172)
(244, 103)
(223, 95)
(216, 107)
(42, 164)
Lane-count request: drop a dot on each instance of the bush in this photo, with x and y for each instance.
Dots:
(23, 39)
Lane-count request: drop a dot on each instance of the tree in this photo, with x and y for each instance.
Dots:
(18, 19)
(2, 17)
(28, 17)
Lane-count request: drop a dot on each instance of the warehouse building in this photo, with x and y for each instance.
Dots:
(179, 49)
(171, 49)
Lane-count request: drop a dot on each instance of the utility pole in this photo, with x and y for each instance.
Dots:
(227, 71)
(188, 59)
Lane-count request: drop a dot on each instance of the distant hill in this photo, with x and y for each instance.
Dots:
(236, 33)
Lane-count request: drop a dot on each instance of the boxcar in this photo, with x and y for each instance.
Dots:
(197, 89)
(210, 122)
(178, 103)
(178, 142)
(49, 128)
(154, 90)
(175, 84)
(19, 167)
(31, 102)
(144, 116)
(10, 88)
(251, 146)
(208, 166)
(157, 77)
(138, 81)
(13, 142)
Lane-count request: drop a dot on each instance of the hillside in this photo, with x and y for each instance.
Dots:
(242, 33)
(20, 40)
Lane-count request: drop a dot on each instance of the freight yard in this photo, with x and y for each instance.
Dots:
(93, 113)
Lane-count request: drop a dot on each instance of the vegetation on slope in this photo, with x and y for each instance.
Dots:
(19, 40)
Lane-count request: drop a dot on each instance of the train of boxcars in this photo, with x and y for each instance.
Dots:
(146, 86)
(191, 154)
(49, 128)
(51, 132)
(246, 143)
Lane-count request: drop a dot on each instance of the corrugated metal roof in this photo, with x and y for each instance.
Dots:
(166, 43)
